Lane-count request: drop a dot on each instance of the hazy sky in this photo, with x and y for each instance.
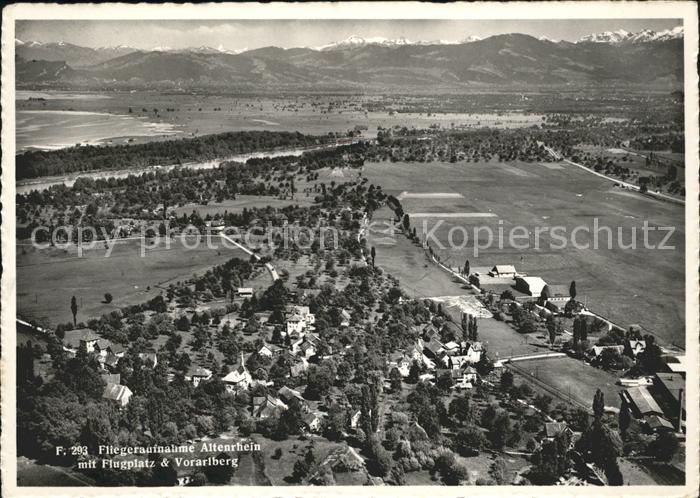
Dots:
(234, 35)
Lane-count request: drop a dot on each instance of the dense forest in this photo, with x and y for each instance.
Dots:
(34, 164)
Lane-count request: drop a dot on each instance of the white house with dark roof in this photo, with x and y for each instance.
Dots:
(74, 338)
(532, 286)
(295, 324)
(238, 379)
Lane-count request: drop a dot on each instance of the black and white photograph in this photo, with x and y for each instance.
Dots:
(403, 246)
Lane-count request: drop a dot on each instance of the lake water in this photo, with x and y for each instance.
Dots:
(46, 130)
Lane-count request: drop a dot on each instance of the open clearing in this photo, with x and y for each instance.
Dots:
(47, 278)
(641, 285)
(572, 379)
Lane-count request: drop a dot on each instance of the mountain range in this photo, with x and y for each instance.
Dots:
(616, 58)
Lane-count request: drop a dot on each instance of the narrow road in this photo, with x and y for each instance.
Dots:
(268, 266)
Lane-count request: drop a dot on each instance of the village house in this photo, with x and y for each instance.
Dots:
(462, 379)
(295, 324)
(286, 394)
(238, 379)
(558, 293)
(401, 362)
(466, 354)
(117, 393)
(117, 350)
(312, 421)
(553, 429)
(503, 271)
(430, 332)
(267, 406)
(198, 374)
(417, 353)
(269, 350)
(303, 311)
(307, 346)
(73, 339)
(532, 286)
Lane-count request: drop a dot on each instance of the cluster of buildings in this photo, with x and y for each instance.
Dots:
(437, 357)
(304, 345)
(658, 401)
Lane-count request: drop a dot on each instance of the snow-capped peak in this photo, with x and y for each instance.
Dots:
(18, 41)
(622, 36)
(358, 41)
(545, 38)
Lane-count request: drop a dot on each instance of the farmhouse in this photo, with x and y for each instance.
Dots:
(198, 374)
(267, 406)
(532, 286)
(73, 339)
(504, 271)
(118, 393)
(558, 293)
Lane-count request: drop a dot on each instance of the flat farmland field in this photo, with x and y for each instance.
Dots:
(639, 285)
(47, 278)
(570, 377)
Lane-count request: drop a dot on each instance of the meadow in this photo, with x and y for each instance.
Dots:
(644, 286)
(47, 278)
